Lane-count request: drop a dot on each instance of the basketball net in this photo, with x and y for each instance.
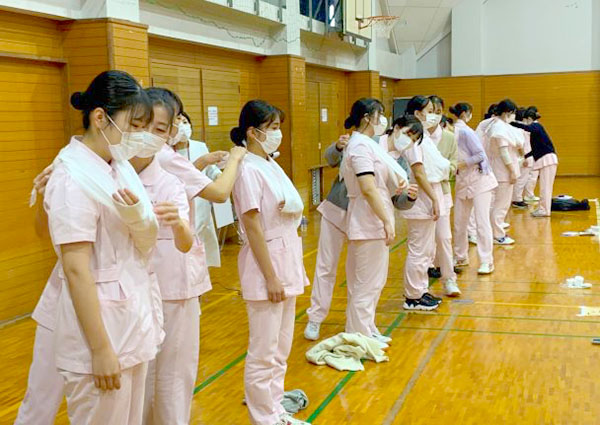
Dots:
(383, 25)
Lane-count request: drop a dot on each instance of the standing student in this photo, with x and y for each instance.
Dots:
(502, 151)
(103, 320)
(526, 182)
(442, 256)
(270, 264)
(429, 169)
(545, 159)
(371, 176)
(475, 183)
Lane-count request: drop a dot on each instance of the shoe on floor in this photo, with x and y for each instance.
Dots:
(381, 338)
(461, 262)
(311, 332)
(432, 297)
(473, 239)
(531, 199)
(424, 304)
(505, 225)
(485, 268)
(434, 272)
(287, 419)
(458, 270)
(451, 288)
(377, 332)
(506, 240)
(538, 213)
(522, 205)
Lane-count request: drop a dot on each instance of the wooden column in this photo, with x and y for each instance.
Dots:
(363, 84)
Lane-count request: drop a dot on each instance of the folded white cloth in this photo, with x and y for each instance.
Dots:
(344, 351)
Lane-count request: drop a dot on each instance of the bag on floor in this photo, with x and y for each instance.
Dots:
(569, 204)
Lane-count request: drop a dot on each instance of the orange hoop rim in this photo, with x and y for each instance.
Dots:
(385, 19)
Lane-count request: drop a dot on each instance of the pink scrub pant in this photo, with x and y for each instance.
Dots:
(472, 226)
(421, 243)
(479, 207)
(547, 176)
(500, 207)
(525, 185)
(443, 255)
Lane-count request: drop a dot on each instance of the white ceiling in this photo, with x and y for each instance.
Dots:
(421, 21)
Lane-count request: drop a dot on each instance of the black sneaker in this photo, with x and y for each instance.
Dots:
(521, 205)
(434, 272)
(429, 296)
(458, 270)
(424, 304)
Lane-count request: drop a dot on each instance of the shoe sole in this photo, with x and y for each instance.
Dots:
(420, 307)
(311, 339)
(453, 294)
(503, 244)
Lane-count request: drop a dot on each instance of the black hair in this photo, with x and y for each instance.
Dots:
(461, 107)
(417, 103)
(446, 120)
(254, 114)
(520, 114)
(113, 91)
(170, 97)
(187, 117)
(160, 98)
(492, 111)
(413, 123)
(360, 108)
(532, 112)
(505, 106)
(436, 100)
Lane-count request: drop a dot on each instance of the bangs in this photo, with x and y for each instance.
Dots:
(273, 115)
(139, 107)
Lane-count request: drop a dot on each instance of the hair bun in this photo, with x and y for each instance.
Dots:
(79, 100)
(349, 123)
(237, 136)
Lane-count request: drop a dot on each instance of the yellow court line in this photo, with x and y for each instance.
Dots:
(527, 305)
(310, 253)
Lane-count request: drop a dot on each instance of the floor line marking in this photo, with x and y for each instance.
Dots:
(310, 253)
(418, 328)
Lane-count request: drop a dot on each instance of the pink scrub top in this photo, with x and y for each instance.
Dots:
(252, 191)
(333, 214)
(498, 136)
(361, 221)
(545, 161)
(124, 286)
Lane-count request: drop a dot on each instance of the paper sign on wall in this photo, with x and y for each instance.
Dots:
(324, 115)
(213, 115)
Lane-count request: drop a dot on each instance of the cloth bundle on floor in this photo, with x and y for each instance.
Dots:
(294, 401)
(345, 351)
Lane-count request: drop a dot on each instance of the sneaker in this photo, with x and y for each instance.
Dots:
(461, 262)
(538, 214)
(473, 239)
(434, 272)
(505, 225)
(381, 338)
(506, 240)
(311, 332)
(485, 268)
(422, 304)
(521, 205)
(531, 199)
(458, 270)
(287, 419)
(432, 297)
(451, 288)
(376, 331)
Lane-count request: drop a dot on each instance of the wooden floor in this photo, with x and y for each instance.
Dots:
(512, 350)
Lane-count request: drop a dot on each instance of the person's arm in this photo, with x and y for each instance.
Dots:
(453, 157)
(142, 231)
(258, 245)
(168, 215)
(82, 288)
(506, 157)
(473, 146)
(220, 190)
(520, 125)
(419, 172)
(406, 200)
(211, 158)
(334, 153)
(371, 194)
(41, 218)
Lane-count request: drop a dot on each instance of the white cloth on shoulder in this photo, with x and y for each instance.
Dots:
(437, 168)
(500, 129)
(345, 351)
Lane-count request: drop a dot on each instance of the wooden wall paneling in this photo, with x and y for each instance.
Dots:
(298, 121)
(220, 89)
(328, 130)
(29, 35)
(313, 117)
(387, 95)
(32, 130)
(129, 49)
(451, 89)
(363, 84)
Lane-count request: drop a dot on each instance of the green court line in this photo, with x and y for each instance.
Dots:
(418, 328)
(342, 383)
(392, 249)
(212, 378)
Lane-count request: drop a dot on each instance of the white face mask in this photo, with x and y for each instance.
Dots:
(186, 128)
(431, 120)
(402, 142)
(183, 129)
(512, 117)
(272, 142)
(152, 145)
(381, 127)
(131, 143)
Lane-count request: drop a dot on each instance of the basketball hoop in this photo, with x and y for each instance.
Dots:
(383, 25)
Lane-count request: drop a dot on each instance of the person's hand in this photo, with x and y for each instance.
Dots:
(106, 369)
(237, 153)
(403, 184)
(513, 177)
(167, 214)
(125, 196)
(461, 165)
(275, 290)
(342, 142)
(390, 232)
(436, 209)
(413, 192)
(215, 157)
(41, 180)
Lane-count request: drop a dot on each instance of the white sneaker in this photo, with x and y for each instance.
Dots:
(506, 240)
(531, 199)
(287, 419)
(451, 288)
(538, 213)
(311, 332)
(473, 239)
(381, 338)
(485, 268)
(505, 225)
